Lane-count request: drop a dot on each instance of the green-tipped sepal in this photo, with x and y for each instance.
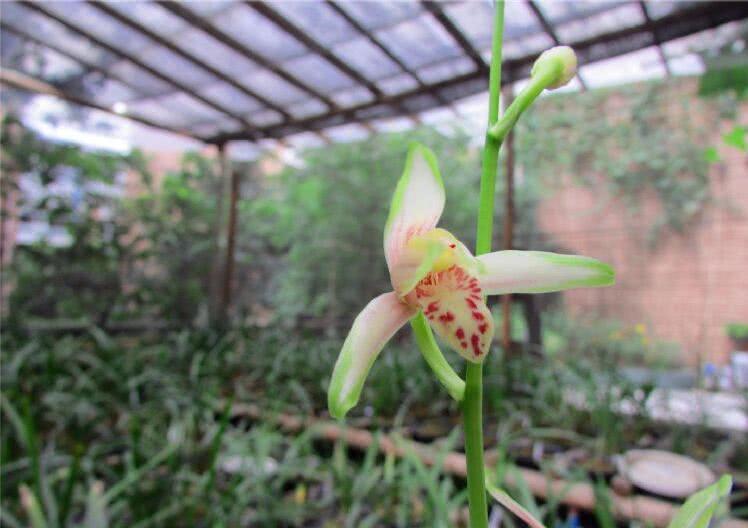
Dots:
(540, 272)
(371, 330)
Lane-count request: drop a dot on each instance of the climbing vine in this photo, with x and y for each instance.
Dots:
(639, 141)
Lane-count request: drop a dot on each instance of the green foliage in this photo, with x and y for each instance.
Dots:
(125, 433)
(736, 138)
(81, 278)
(123, 253)
(700, 507)
(729, 78)
(174, 228)
(634, 143)
(737, 331)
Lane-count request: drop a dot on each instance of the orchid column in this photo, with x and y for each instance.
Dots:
(439, 285)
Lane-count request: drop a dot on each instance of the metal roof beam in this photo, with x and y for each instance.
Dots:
(655, 38)
(435, 9)
(30, 84)
(250, 129)
(207, 27)
(122, 19)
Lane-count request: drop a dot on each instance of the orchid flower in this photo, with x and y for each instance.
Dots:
(433, 272)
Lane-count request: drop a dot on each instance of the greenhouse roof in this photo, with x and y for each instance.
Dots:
(239, 70)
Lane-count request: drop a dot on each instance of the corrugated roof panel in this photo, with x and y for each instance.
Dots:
(367, 58)
(191, 108)
(265, 117)
(471, 19)
(258, 33)
(100, 25)
(151, 16)
(209, 50)
(229, 97)
(352, 96)
(110, 91)
(420, 41)
(397, 84)
(140, 78)
(175, 66)
(377, 15)
(318, 72)
(151, 109)
(446, 69)
(53, 32)
(623, 16)
(213, 7)
(312, 16)
(272, 87)
(306, 108)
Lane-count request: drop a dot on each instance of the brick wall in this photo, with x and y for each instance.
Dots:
(687, 287)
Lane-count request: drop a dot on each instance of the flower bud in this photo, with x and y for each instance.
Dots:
(561, 60)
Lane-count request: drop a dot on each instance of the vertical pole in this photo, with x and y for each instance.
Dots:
(228, 272)
(508, 238)
(216, 271)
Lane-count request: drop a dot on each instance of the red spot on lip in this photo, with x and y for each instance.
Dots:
(463, 344)
(478, 316)
(471, 303)
(460, 333)
(475, 342)
(432, 307)
(482, 328)
(453, 246)
(447, 317)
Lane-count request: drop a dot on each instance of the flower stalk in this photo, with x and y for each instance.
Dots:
(472, 405)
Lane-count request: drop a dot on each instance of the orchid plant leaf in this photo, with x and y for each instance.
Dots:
(700, 507)
(503, 498)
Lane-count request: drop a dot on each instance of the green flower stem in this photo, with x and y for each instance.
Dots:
(472, 404)
(434, 357)
(522, 102)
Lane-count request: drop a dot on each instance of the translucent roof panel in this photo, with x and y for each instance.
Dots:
(99, 25)
(377, 15)
(258, 33)
(319, 73)
(418, 41)
(229, 70)
(58, 36)
(620, 17)
(367, 58)
(230, 97)
(312, 15)
(213, 52)
(151, 15)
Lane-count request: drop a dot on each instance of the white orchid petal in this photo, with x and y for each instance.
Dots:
(540, 272)
(417, 204)
(371, 330)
